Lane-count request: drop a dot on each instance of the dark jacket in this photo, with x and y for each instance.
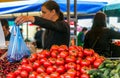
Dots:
(101, 41)
(38, 38)
(57, 33)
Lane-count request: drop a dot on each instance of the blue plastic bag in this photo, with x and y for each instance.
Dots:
(17, 48)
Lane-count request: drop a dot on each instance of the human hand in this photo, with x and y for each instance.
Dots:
(22, 19)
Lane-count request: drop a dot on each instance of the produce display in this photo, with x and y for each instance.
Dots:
(108, 69)
(7, 67)
(58, 62)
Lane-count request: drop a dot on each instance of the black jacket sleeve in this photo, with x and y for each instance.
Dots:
(60, 26)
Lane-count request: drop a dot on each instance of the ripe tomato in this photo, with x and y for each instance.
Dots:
(85, 76)
(17, 72)
(71, 65)
(90, 58)
(73, 72)
(33, 57)
(70, 59)
(60, 61)
(25, 61)
(24, 74)
(40, 69)
(78, 60)
(73, 52)
(54, 47)
(84, 69)
(84, 62)
(54, 53)
(60, 69)
(33, 75)
(10, 75)
(54, 75)
(63, 48)
(63, 54)
(97, 62)
(36, 64)
(52, 60)
(50, 69)
(47, 63)
(88, 52)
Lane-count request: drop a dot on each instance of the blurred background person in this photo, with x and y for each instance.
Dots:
(99, 37)
(5, 26)
(38, 37)
(81, 36)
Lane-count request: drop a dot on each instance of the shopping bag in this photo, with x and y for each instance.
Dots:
(17, 48)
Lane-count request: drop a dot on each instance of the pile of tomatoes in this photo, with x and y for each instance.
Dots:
(58, 62)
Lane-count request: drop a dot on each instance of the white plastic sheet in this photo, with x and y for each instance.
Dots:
(2, 38)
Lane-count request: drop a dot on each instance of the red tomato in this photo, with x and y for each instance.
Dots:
(84, 69)
(68, 75)
(54, 74)
(78, 74)
(90, 58)
(71, 65)
(17, 72)
(63, 48)
(73, 72)
(88, 52)
(43, 60)
(25, 61)
(54, 47)
(63, 54)
(24, 74)
(10, 75)
(78, 60)
(33, 57)
(60, 61)
(46, 52)
(84, 62)
(70, 59)
(97, 62)
(40, 69)
(33, 75)
(36, 64)
(73, 52)
(54, 53)
(50, 69)
(80, 48)
(52, 60)
(80, 54)
(47, 63)
(60, 69)
(19, 76)
(84, 76)
(78, 67)
(29, 68)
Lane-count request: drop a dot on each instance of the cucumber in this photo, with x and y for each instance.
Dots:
(106, 73)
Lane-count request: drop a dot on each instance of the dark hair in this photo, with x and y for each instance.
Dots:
(84, 29)
(4, 22)
(99, 20)
(52, 5)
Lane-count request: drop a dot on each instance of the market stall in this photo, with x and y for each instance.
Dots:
(61, 62)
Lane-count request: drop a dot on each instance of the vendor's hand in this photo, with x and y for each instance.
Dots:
(22, 19)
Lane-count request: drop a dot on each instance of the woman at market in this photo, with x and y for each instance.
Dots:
(99, 37)
(52, 19)
(5, 26)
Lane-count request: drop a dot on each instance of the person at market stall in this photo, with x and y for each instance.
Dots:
(52, 19)
(81, 36)
(38, 37)
(99, 37)
(5, 26)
